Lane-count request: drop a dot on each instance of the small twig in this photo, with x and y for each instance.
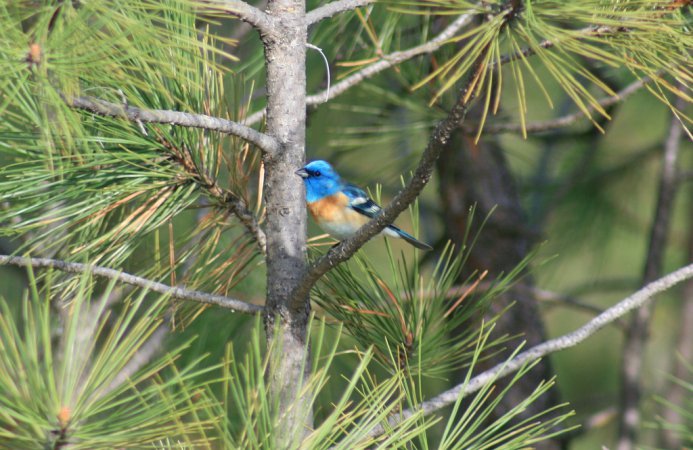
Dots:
(560, 122)
(143, 130)
(175, 292)
(123, 98)
(595, 420)
(634, 301)
(334, 8)
(103, 108)
(249, 221)
(244, 28)
(599, 419)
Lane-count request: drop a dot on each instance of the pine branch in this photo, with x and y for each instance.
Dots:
(593, 31)
(398, 57)
(175, 292)
(564, 121)
(334, 8)
(103, 108)
(634, 301)
(385, 63)
(235, 204)
(441, 135)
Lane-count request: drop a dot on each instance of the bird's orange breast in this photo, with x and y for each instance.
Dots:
(335, 216)
(330, 208)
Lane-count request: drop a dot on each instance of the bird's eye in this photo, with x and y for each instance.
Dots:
(316, 173)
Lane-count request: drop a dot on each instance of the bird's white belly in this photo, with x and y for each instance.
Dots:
(339, 230)
(344, 229)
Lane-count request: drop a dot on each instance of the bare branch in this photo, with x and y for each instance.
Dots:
(175, 292)
(346, 249)
(560, 122)
(334, 8)
(266, 143)
(385, 63)
(242, 30)
(638, 331)
(243, 11)
(634, 301)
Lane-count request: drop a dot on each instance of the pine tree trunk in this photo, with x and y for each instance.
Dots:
(285, 55)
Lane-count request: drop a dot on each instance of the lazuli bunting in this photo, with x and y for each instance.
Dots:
(341, 208)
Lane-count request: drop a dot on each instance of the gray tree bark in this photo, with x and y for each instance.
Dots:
(286, 321)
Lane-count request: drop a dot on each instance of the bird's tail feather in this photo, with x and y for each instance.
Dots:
(408, 237)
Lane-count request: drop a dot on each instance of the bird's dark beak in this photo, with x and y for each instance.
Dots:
(303, 173)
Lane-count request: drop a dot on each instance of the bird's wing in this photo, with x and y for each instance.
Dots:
(360, 202)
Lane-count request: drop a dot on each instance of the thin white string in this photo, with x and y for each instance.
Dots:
(327, 65)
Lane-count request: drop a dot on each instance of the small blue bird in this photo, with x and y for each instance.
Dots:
(341, 208)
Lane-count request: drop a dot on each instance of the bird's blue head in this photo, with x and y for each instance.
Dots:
(321, 180)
